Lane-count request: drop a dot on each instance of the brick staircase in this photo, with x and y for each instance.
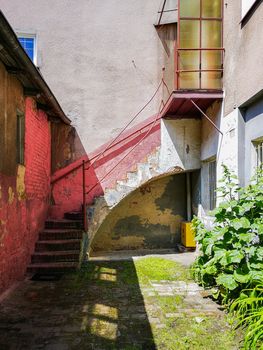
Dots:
(58, 247)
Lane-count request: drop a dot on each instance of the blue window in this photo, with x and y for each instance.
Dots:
(28, 44)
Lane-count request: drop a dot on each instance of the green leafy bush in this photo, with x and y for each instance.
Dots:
(248, 308)
(231, 252)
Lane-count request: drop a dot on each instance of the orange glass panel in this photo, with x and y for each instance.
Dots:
(211, 60)
(211, 34)
(189, 60)
(189, 80)
(189, 34)
(212, 8)
(211, 80)
(190, 8)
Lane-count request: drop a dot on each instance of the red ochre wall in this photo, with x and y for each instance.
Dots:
(67, 190)
(24, 197)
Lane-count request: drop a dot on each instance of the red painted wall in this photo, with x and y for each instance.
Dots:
(24, 198)
(67, 184)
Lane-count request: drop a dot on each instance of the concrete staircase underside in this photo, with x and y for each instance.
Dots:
(144, 173)
(59, 245)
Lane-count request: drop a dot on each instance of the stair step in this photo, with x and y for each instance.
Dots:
(58, 245)
(52, 267)
(74, 215)
(57, 234)
(55, 256)
(63, 223)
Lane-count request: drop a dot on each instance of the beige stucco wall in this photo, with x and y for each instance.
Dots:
(243, 75)
(102, 59)
(180, 144)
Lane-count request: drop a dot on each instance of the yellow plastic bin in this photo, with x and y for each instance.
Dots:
(187, 235)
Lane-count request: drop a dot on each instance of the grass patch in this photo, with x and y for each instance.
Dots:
(159, 269)
(170, 304)
(186, 333)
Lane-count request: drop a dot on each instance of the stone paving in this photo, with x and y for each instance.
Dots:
(101, 307)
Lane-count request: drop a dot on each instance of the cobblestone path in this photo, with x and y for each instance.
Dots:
(114, 305)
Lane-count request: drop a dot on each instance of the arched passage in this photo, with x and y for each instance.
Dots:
(148, 218)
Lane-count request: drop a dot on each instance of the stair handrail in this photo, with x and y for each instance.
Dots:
(112, 143)
(137, 144)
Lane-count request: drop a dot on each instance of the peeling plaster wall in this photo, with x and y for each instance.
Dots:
(66, 146)
(180, 144)
(24, 189)
(149, 218)
(67, 192)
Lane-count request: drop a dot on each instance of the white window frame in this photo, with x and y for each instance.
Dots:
(246, 6)
(30, 35)
(257, 147)
(209, 196)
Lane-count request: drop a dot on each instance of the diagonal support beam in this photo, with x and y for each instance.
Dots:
(206, 116)
(161, 15)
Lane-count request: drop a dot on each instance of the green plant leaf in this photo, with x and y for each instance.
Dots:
(227, 280)
(242, 277)
(243, 223)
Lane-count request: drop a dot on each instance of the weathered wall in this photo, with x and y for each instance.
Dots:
(180, 144)
(66, 146)
(102, 59)
(168, 36)
(253, 117)
(67, 184)
(24, 189)
(243, 75)
(11, 102)
(149, 218)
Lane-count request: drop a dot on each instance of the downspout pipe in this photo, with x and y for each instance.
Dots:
(21, 58)
(188, 197)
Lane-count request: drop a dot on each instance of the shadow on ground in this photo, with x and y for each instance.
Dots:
(100, 307)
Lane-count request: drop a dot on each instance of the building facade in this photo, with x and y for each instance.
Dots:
(161, 94)
(26, 109)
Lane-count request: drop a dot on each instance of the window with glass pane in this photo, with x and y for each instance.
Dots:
(189, 34)
(211, 59)
(189, 80)
(211, 80)
(212, 8)
(259, 154)
(28, 44)
(189, 60)
(190, 8)
(211, 34)
(200, 44)
(212, 184)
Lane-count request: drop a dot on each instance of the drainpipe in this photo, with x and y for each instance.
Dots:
(188, 197)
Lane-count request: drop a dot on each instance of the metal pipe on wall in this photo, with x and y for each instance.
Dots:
(188, 197)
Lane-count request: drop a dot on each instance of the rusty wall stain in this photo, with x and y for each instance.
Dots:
(20, 182)
(11, 195)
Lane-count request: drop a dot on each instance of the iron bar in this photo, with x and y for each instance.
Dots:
(206, 116)
(161, 15)
(84, 196)
(172, 10)
(199, 70)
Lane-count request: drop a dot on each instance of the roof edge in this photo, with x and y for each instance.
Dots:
(21, 57)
